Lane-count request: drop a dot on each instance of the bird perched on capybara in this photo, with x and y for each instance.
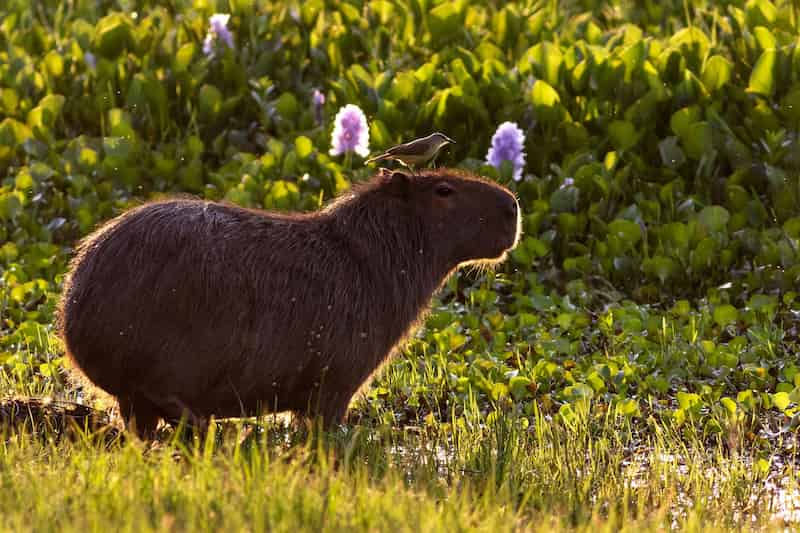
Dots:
(195, 308)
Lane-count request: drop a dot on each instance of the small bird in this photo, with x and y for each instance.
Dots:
(416, 152)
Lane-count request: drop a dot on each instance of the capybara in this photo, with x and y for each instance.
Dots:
(191, 308)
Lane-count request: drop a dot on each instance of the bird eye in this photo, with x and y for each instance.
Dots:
(443, 189)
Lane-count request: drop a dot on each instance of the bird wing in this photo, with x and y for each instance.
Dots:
(400, 149)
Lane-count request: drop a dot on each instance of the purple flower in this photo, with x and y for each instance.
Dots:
(568, 182)
(350, 132)
(218, 29)
(318, 100)
(508, 144)
(90, 60)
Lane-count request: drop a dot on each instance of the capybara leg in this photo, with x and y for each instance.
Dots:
(333, 412)
(173, 409)
(140, 416)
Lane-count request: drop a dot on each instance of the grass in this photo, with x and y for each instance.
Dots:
(417, 455)
(497, 473)
(633, 366)
(453, 461)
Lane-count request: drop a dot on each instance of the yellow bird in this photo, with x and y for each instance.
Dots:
(417, 152)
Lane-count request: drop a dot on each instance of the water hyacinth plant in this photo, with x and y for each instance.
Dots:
(317, 102)
(633, 365)
(508, 144)
(217, 30)
(350, 132)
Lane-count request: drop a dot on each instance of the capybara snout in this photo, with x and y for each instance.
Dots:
(195, 308)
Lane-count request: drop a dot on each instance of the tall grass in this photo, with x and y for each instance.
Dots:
(597, 473)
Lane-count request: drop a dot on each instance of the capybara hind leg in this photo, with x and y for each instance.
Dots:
(333, 412)
(140, 416)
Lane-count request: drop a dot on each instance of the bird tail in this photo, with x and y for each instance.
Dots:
(376, 158)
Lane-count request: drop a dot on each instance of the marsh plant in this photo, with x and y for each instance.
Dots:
(633, 365)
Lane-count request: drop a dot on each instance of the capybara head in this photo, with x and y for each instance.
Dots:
(470, 219)
(193, 308)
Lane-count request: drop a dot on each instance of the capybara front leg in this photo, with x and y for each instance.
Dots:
(174, 410)
(139, 414)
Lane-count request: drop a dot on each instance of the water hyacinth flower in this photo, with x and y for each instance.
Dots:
(317, 101)
(350, 132)
(217, 30)
(90, 60)
(508, 144)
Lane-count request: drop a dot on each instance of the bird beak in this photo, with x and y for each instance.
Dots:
(448, 139)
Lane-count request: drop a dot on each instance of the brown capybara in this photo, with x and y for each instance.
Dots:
(195, 308)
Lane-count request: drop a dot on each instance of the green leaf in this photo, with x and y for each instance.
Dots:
(564, 199)
(287, 105)
(54, 63)
(792, 227)
(781, 400)
(628, 407)
(113, 34)
(765, 39)
(117, 147)
(760, 12)
(762, 78)
(716, 73)
(689, 400)
(303, 146)
(10, 206)
(9, 99)
(698, 140)
(762, 466)
(578, 392)
(660, 267)
(184, 57)
(518, 385)
(445, 21)
(633, 57)
(714, 217)
(379, 134)
(282, 195)
(725, 315)
(546, 58)
(404, 87)
(729, 405)
(209, 100)
(682, 120)
(120, 123)
(623, 134)
(546, 101)
(625, 230)
(43, 116)
(692, 43)
(704, 254)
(747, 399)
(13, 132)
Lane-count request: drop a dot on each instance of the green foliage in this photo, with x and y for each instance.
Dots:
(660, 256)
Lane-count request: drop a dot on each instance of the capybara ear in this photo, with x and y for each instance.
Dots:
(399, 183)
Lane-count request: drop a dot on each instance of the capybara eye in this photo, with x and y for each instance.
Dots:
(444, 189)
